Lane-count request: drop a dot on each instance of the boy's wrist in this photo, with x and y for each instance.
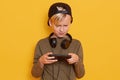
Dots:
(41, 64)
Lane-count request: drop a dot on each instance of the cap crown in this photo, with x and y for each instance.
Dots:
(59, 8)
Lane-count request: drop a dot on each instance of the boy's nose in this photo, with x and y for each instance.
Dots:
(61, 28)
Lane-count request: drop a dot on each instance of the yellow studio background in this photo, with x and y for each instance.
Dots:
(96, 24)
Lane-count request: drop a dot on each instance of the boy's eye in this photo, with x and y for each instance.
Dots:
(65, 25)
(58, 25)
(61, 25)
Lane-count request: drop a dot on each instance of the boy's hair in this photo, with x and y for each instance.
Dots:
(57, 18)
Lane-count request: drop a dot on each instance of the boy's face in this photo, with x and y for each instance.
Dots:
(61, 28)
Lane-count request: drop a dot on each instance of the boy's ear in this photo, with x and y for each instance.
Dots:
(49, 22)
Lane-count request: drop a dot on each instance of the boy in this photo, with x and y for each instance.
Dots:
(59, 57)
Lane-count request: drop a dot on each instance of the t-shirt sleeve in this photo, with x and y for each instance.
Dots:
(79, 66)
(37, 69)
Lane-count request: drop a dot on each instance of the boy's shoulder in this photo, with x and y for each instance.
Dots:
(43, 40)
(76, 40)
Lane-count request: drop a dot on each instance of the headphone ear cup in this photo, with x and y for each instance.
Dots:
(53, 42)
(65, 44)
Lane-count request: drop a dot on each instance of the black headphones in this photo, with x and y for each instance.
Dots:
(64, 44)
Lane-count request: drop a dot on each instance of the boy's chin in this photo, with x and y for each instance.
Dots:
(60, 36)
